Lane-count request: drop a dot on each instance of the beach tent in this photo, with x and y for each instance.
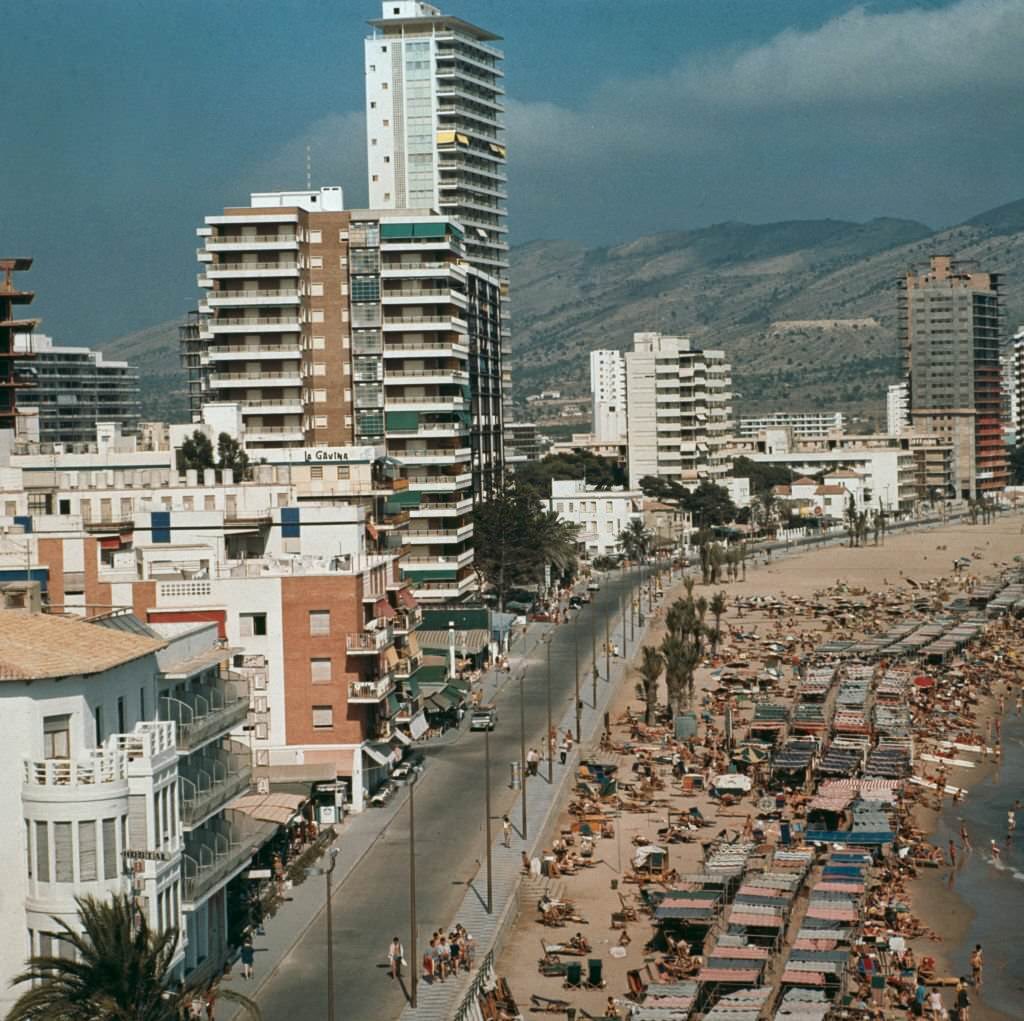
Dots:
(732, 782)
(649, 856)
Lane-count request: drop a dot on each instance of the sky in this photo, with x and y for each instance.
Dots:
(127, 121)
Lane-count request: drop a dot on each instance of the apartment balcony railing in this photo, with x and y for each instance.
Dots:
(407, 666)
(408, 619)
(421, 293)
(255, 321)
(449, 400)
(371, 691)
(399, 375)
(254, 349)
(246, 239)
(387, 267)
(369, 641)
(211, 789)
(289, 292)
(243, 267)
(213, 861)
(203, 714)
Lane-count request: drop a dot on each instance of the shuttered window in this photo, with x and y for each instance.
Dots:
(323, 716)
(63, 853)
(28, 847)
(42, 853)
(319, 622)
(87, 851)
(109, 849)
(320, 671)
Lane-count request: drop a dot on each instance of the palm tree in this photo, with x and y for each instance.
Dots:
(120, 970)
(717, 607)
(635, 540)
(556, 541)
(650, 670)
(765, 507)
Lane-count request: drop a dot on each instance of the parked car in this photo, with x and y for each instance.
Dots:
(483, 718)
(540, 617)
(593, 585)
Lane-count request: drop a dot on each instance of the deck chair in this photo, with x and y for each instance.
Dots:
(595, 967)
(637, 986)
(573, 975)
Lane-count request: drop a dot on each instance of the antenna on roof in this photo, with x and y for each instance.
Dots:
(309, 170)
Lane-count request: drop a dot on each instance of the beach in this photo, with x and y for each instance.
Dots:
(917, 565)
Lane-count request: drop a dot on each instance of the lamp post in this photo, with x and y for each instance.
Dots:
(414, 965)
(593, 644)
(487, 816)
(551, 744)
(522, 746)
(326, 873)
(607, 647)
(576, 644)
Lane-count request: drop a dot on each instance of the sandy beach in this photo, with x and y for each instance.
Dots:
(916, 564)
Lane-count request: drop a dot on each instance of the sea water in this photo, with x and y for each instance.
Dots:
(992, 886)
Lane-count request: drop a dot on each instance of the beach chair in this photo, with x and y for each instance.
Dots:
(637, 986)
(595, 968)
(573, 975)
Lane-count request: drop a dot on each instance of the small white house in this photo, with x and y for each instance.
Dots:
(828, 497)
(602, 514)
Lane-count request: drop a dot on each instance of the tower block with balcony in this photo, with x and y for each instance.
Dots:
(13, 375)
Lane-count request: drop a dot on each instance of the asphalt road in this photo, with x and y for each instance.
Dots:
(372, 904)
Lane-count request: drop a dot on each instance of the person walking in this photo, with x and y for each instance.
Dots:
(563, 751)
(506, 830)
(962, 1000)
(976, 966)
(395, 957)
(247, 957)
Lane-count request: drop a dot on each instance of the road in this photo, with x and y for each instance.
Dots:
(371, 905)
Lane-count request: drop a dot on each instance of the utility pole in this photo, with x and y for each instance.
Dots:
(593, 644)
(330, 937)
(607, 646)
(551, 746)
(522, 746)
(576, 644)
(487, 818)
(414, 967)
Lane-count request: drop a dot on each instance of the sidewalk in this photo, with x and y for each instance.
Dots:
(442, 1000)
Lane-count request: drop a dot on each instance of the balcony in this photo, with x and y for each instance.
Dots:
(434, 455)
(426, 348)
(217, 858)
(371, 692)
(427, 322)
(244, 352)
(428, 536)
(222, 270)
(209, 782)
(369, 642)
(206, 713)
(233, 380)
(240, 242)
(406, 376)
(408, 619)
(427, 402)
(254, 324)
(407, 666)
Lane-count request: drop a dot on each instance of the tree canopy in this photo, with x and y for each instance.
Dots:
(598, 471)
(196, 453)
(762, 476)
(708, 503)
(515, 538)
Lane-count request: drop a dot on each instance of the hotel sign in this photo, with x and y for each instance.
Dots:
(326, 455)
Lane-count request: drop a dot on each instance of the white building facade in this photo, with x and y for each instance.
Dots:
(803, 424)
(897, 409)
(601, 514)
(608, 396)
(679, 415)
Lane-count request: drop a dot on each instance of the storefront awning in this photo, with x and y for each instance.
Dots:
(277, 808)
(374, 756)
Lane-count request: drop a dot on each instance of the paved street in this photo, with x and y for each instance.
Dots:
(371, 903)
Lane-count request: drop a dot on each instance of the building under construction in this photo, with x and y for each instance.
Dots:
(15, 370)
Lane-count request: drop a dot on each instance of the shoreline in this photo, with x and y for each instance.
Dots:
(864, 573)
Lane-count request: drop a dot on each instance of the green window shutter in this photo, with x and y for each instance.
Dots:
(397, 230)
(403, 420)
(429, 230)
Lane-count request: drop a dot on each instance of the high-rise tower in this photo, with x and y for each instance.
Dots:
(12, 375)
(951, 325)
(435, 133)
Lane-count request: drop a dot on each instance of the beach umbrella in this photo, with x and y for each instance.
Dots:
(922, 681)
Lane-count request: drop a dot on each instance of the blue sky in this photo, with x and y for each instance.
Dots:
(135, 118)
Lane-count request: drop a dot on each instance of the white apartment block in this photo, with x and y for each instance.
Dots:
(897, 408)
(804, 424)
(120, 738)
(679, 416)
(435, 131)
(601, 514)
(608, 396)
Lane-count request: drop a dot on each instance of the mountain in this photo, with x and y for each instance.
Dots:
(750, 289)
(760, 291)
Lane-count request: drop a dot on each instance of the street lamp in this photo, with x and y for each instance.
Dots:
(487, 814)
(551, 744)
(593, 644)
(522, 746)
(414, 966)
(576, 645)
(326, 873)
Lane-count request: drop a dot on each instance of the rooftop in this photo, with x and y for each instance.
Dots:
(34, 646)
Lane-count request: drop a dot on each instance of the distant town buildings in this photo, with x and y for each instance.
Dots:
(601, 514)
(951, 326)
(804, 424)
(897, 408)
(522, 443)
(435, 130)
(1011, 364)
(75, 387)
(329, 327)
(679, 416)
(608, 396)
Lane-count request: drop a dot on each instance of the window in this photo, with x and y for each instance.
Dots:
(316, 471)
(98, 718)
(344, 471)
(319, 343)
(64, 507)
(315, 237)
(323, 717)
(42, 852)
(319, 622)
(57, 737)
(87, 851)
(262, 732)
(263, 758)
(28, 847)
(318, 315)
(319, 421)
(373, 104)
(109, 849)
(316, 262)
(320, 672)
(250, 624)
(387, 159)
(375, 178)
(387, 123)
(122, 722)
(319, 396)
(316, 290)
(319, 368)
(64, 869)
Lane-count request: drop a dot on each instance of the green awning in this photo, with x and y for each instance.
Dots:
(433, 574)
(432, 674)
(405, 421)
(412, 684)
(392, 704)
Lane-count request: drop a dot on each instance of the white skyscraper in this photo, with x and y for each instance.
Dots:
(678, 411)
(435, 131)
(897, 409)
(608, 396)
